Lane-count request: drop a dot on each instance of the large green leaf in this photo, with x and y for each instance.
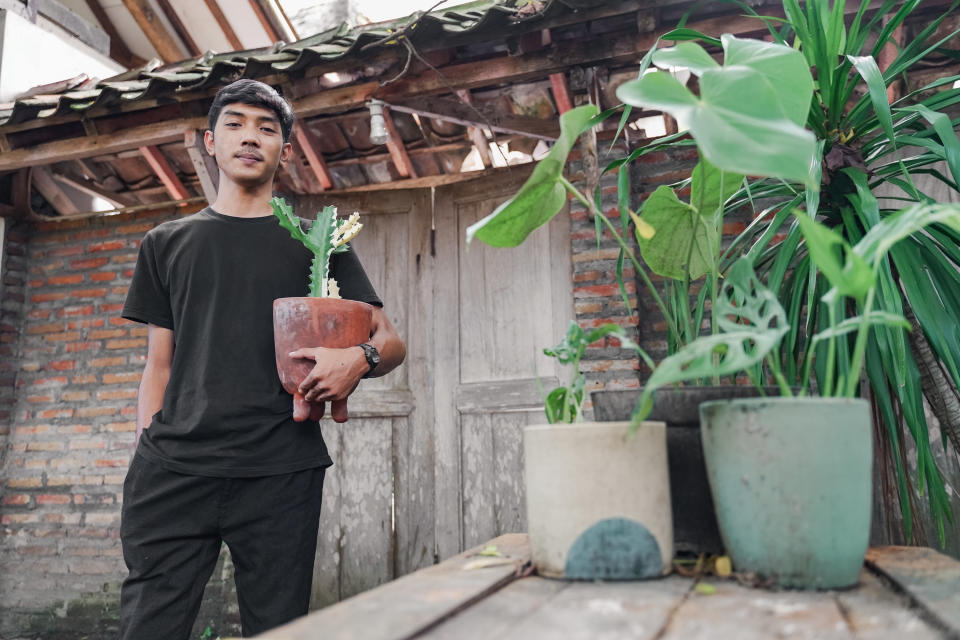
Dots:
(846, 270)
(685, 54)
(669, 252)
(753, 322)
(711, 187)
(747, 118)
(541, 196)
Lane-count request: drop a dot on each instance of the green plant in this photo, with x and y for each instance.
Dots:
(324, 237)
(866, 145)
(565, 403)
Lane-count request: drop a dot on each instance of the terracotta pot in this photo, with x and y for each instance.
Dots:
(315, 322)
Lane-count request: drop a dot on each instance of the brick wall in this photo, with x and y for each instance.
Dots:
(597, 298)
(69, 421)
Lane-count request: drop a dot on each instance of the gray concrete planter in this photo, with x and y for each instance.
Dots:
(791, 480)
(598, 501)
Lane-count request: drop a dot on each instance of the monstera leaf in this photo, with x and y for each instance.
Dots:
(751, 322)
(541, 196)
(687, 238)
(750, 113)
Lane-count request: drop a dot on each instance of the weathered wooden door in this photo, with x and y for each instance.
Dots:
(430, 460)
(377, 518)
(497, 308)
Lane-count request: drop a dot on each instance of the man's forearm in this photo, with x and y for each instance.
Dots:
(150, 396)
(388, 343)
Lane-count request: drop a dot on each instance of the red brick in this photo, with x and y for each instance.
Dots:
(112, 245)
(103, 276)
(129, 258)
(55, 413)
(120, 427)
(33, 284)
(111, 462)
(85, 310)
(126, 344)
(55, 380)
(139, 228)
(39, 314)
(89, 263)
(86, 323)
(85, 379)
(24, 483)
(75, 428)
(106, 333)
(93, 412)
(87, 444)
(62, 337)
(75, 347)
(64, 251)
(39, 399)
(53, 498)
(88, 293)
(114, 378)
(120, 291)
(107, 362)
(588, 307)
(110, 308)
(602, 290)
(75, 278)
(139, 332)
(16, 499)
(48, 297)
(62, 365)
(119, 394)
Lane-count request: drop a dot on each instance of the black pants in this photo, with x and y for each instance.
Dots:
(171, 530)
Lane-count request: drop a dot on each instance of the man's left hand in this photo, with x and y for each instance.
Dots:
(335, 374)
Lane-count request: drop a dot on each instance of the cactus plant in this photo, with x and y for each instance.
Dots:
(324, 237)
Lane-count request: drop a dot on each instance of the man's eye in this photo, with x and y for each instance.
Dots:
(269, 129)
(233, 124)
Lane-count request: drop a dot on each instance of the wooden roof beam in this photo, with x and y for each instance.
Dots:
(50, 190)
(118, 200)
(161, 166)
(265, 21)
(396, 147)
(561, 92)
(179, 27)
(221, 19)
(477, 136)
(455, 111)
(118, 48)
(204, 165)
(154, 29)
(311, 150)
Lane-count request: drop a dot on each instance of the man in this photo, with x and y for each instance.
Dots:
(223, 461)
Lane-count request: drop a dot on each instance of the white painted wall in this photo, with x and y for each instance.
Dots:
(32, 55)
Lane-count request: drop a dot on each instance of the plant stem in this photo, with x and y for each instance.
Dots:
(626, 250)
(778, 375)
(831, 351)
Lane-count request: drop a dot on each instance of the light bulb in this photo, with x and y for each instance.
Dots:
(378, 125)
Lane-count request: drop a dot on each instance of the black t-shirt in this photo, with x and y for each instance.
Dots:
(212, 280)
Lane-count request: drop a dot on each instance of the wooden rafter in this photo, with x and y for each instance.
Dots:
(50, 190)
(265, 21)
(161, 166)
(154, 29)
(118, 48)
(204, 164)
(179, 27)
(221, 19)
(398, 151)
(561, 93)
(476, 135)
(78, 183)
(303, 177)
(311, 150)
(456, 111)
(283, 15)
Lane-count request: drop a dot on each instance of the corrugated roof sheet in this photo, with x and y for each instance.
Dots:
(495, 17)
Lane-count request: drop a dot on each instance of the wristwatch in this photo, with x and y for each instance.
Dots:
(372, 355)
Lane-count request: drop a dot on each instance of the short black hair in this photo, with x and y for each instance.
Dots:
(255, 94)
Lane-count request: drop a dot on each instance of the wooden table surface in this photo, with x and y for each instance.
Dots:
(904, 593)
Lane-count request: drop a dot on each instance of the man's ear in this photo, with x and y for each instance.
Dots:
(286, 152)
(208, 141)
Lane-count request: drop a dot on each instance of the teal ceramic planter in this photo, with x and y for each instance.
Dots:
(791, 482)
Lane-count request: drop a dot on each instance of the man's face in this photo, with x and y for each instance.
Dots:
(247, 143)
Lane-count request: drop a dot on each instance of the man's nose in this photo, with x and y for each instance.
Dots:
(250, 136)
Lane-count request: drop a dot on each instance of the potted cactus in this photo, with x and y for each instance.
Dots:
(323, 318)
